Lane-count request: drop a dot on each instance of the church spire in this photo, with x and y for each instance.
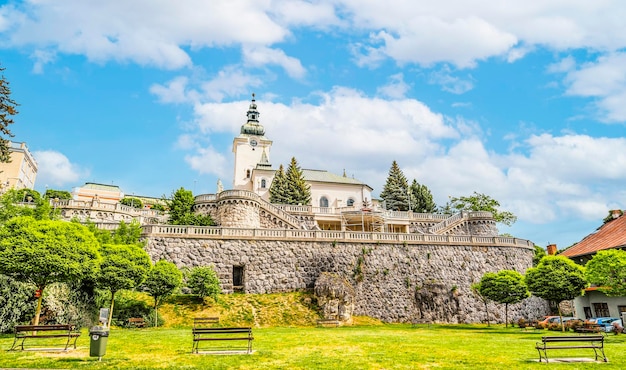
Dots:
(253, 127)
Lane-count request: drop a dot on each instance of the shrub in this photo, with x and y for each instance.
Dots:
(17, 303)
(203, 282)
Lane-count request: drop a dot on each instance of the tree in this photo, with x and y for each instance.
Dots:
(395, 192)
(278, 189)
(128, 233)
(422, 199)
(607, 271)
(45, 252)
(8, 108)
(505, 286)
(132, 202)
(58, 194)
(163, 280)
(123, 267)
(556, 278)
(539, 254)
(297, 190)
(181, 210)
(480, 202)
(203, 281)
(23, 202)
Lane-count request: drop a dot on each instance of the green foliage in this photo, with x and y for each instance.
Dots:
(24, 202)
(539, 254)
(163, 280)
(505, 286)
(8, 108)
(45, 252)
(17, 303)
(181, 210)
(479, 202)
(128, 305)
(556, 278)
(66, 303)
(58, 194)
(607, 271)
(157, 207)
(298, 191)
(422, 199)
(395, 192)
(278, 189)
(128, 233)
(203, 282)
(132, 202)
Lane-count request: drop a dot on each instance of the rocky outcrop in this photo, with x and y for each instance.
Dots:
(335, 296)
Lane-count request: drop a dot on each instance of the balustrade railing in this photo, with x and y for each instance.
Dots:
(328, 235)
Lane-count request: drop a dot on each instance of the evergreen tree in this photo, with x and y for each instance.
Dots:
(7, 109)
(396, 190)
(279, 187)
(298, 191)
(422, 199)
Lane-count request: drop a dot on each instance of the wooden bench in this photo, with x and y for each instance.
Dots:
(590, 328)
(595, 342)
(44, 331)
(327, 322)
(223, 334)
(136, 322)
(199, 322)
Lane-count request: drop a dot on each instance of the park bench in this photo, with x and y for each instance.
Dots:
(44, 331)
(590, 328)
(136, 322)
(222, 334)
(327, 322)
(595, 342)
(205, 321)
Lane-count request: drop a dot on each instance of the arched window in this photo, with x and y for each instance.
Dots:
(323, 202)
(263, 184)
(247, 174)
(350, 202)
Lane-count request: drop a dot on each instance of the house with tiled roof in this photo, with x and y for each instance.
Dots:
(611, 235)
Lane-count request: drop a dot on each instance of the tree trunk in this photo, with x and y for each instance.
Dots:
(506, 315)
(558, 305)
(38, 310)
(111, 309)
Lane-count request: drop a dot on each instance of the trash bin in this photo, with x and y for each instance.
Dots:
(99, 335)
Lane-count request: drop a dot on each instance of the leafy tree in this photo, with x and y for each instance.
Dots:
(278, 189)
(395, 192)
(23, 202)
(480, 202)
(422, 199)
(505, 286)
(607, 271)
(122, 267)
(163, 280)
(539, 254)
(298, 191)
(181, 210)
(203, 281)
(556, 278)
(128, 233)
(58, 194)
(132, 202)
(46, 252)
(17, 303)
(8, 108)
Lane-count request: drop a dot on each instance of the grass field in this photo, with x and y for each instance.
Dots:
(397, 346)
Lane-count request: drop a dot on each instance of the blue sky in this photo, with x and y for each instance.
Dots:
(524, 100)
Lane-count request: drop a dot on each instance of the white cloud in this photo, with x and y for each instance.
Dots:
(209, 161)
(396, 88)
(261, 56)
(173, 92)
(450, 83)
(55, 169)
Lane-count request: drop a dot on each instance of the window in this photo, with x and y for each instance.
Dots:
(247, 174)
(588, 313)
(350, 202)
(323, 202)
(263, 184)
(237, 277)
(601, 309)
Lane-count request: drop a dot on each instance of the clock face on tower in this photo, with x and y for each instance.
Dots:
(253, 143)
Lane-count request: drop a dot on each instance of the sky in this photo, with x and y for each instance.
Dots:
(524, 101)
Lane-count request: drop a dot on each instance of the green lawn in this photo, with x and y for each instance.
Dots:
(359, 347)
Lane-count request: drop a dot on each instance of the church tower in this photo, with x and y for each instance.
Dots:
(253, 170)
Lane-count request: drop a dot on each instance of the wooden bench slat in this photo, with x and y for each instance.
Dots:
(222, 334)
(595, 342)
(50, 331)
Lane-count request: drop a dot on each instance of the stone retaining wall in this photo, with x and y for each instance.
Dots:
(393, 282)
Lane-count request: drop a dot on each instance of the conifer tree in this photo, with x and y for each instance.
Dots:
(298, 191)
(279, 187)
(7, 109)
(422, 199)
(395, 193)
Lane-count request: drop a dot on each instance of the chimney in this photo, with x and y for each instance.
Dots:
(551, 249)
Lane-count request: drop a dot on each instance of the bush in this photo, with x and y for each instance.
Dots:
(203, 282)
(67, 304)
(150, 319)
(127, 306)
(17, 303)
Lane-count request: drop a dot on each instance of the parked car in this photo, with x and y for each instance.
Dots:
(605, 323)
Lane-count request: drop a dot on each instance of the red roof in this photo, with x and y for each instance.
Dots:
(610, 235)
